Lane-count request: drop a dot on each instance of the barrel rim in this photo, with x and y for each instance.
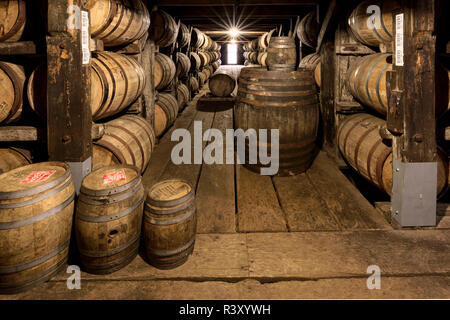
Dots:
(169, 203)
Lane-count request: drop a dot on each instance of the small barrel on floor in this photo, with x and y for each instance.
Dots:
(108, 220)
(36, 210)
(222, 84)
(170, 223)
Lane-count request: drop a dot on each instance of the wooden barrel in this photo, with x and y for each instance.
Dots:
(222, 84)
(215, 65)
(117, 81)
(253, 45)
(381, 31)
(130, 139)
(195, 62)
(367, 80)
(164, 71)
(193, 85)
(253, 57)
(36, 212)
(202, 78)
(262, 59)
(312, 62)
(118, 22)
(281, 100)
(12, 158)
(207, 72)
(108, 220)
(183, 65)
(207, 44)
(264, 40)
(183, 95)
(183, 36)
(362, 146)
(308, 30)
(163, 29)
(170, 223)
(166, 111)
(281, 54)
(204, 58)
(12, 80)
(197, 38)
(13, 17)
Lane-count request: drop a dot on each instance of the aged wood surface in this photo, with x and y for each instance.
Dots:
(216, 211)
(20, 133)
(18, 48)
(352, 210)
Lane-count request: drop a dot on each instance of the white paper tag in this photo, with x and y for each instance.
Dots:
(399, 32)
(86, 53)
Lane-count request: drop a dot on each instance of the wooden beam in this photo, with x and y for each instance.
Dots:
(20, 133)
(228, 3)
(326, 22)
(18, 48)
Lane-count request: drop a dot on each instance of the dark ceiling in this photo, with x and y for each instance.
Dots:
(247, 15)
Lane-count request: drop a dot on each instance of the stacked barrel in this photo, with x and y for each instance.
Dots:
(12, 81)
(358, 137)
(251, 52)
(205, 57)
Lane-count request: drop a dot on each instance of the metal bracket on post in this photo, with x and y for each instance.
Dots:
(414, 193)
(79, 171)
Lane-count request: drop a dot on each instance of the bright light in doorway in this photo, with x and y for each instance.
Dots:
(233, 32)
(233, 41)
(232, 51)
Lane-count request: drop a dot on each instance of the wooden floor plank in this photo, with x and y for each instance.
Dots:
(352, 210)
(161, 154)
(216, 211)
(305, 210)
(312, 255)
(219, 256)
(258, 207)
(189, 172)
(427, 287)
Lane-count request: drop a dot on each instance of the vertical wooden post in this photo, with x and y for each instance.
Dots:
(411, 116)
(69, 118)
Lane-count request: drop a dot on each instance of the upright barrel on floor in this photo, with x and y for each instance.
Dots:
(281, 54)
(281, 100)
(222, 84)
(170, 223)
(108, 220)
(36, 212)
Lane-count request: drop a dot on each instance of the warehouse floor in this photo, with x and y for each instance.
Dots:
(309, 236)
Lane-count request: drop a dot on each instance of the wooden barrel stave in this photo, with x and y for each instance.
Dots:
(118, 22)
(36, 210)
(281, 100)
(109, 217)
